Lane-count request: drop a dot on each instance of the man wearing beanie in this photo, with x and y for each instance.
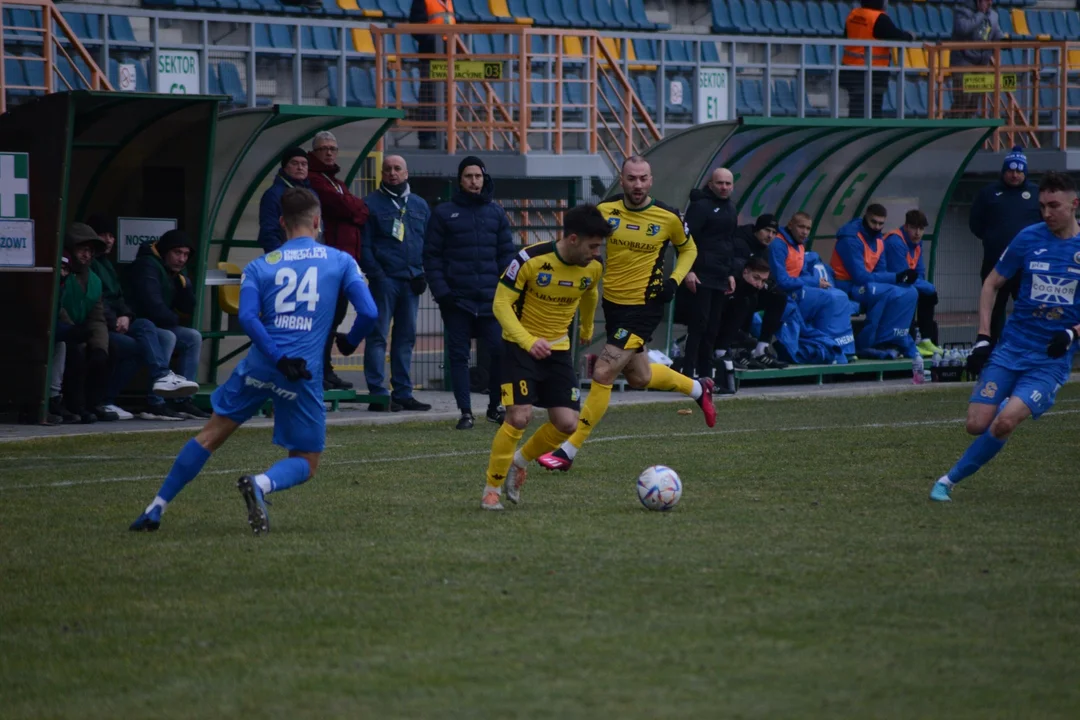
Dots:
(343, 216)
(711, 219)
(293, 173)
(392, 258)
(1000, 211)
(752, 240)
(160, 291)
(467, 247)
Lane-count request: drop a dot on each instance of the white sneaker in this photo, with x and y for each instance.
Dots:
(515, 478)
(174, 386)
(490, 500)
(121, 413)
(160, 412)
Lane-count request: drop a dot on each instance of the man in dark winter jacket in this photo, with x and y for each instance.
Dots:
(711, 219)
(467, 247)
(392, 258)
(133, 340)
(973, 21)
(82, 327)
(293, 173)
(160, 291)
(752, 240)
(343, 216)
(1000, 211)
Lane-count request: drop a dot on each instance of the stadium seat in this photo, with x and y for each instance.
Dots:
(904, 18)
(22, 19)
(1005, 23)
(77, 23)
(1072, 24)
(645, 50)
(753, 17)
(646, 90)
(33, 67)
(637, 12)
(833, 22)
(589, 10)
(606, 14)
(535, 10)
(572, 11)
(677, 52)
(755, 99)
(262, 36)
(319, 37)
(815, 18)
(785, 22)
(622, 14)
(393, 10)
(922, 25)
(142, 82)
(1061, 25)
(574, 92)
(933, 21)
(332, 9)
(229, 295)
(800, 15)
(553, 10)
(362, 86)
(737, 10)
(120, 29)
(709, 53)
(213, 82)
(1074, 105)
(1019, 23)
(362, 41)
(768, 17)
(231, 84)
(947, 21)
(463, 11)
(888, 103)
(783, 99)
(14, 74)
(681, 108)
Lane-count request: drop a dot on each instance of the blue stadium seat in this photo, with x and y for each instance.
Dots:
(319, 37)
(332, 80)
(535, 10)
(1072, 23)
(1074, 105)
(646, 90)
(464, 12)
(330, 8)
(933, 21)
(646, 50)
(142, 82)
(573, 12)
(801, 16)
(677, 52)
(815, 17)
(768, 17)
(1061, 25)
(361, 87)
(738, 16)
(24, 19)
(120, 29)
(34, 71)
(213, 82)
(77, 23)
(922, 25)
(754, 97)
(721, 18)
(588, 11)
(612, 100)
(1005, 23)
(14, 74)
(1048, 106)
(783, 99)
(753, 18)
(637, 12)
(553, 9)
(834, 24)
(540, 91)
(231, 84)
(785, 18)
(888, 103)
(282, 37)
(262, 36)
(622, 14)
(574, 91)
(947, 20)
(709, 53)
(905, 20)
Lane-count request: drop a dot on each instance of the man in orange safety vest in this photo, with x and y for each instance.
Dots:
(868, 22)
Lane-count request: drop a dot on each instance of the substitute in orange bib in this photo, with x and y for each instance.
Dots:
(429, 12)
(887, 298)
(868, 22)
(903, 251)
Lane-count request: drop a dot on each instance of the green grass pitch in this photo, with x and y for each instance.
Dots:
(805, 574)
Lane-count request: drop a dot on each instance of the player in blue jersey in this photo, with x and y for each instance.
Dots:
(287, 302)
(1034, 356)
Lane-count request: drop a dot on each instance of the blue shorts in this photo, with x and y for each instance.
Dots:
(299, 412)
(1026, 374)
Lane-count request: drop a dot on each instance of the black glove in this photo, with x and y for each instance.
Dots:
(906, 277)
(294, 369)
(418, 285)
(344, 347)
(667, 292)
(1060, 343)
(979, 355)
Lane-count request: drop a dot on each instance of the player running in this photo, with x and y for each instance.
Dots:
(287, 302)
(535, 303)
(636, 294)
(1035, 354)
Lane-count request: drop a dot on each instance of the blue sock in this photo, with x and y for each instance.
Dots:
(288, 473)
(980, 452)
(186, 466)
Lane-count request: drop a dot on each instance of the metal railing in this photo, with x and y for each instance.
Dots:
(1032, 86)
(61, 51)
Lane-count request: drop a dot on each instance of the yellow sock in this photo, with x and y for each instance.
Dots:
(591, 413)
(502, 454)
(664, 378)
(545, 439)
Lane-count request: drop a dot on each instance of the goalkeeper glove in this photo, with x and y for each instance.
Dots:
(979, 355)
(294, 369)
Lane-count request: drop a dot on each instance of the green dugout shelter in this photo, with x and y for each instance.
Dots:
(829, 168)
(122, 154)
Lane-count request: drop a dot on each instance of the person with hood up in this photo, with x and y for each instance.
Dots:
(888, 299)
(1000, 211)
(973, 21)
(293, 173)
(159, 290)
(711, 219)
(133, 340)
(82, 326)
(343, 216)
(467, 247)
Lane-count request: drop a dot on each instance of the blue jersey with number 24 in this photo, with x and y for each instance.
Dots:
(299, 285)
(1049, 269)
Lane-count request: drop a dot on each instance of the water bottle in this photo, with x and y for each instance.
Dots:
(729, 376)
(918, 370)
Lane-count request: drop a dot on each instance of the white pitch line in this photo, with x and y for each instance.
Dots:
(473, 453)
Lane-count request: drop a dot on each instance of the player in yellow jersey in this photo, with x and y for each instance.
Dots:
(636, 294)
(535, 302)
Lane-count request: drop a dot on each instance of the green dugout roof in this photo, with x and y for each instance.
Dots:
(829, 168)
(250, 143)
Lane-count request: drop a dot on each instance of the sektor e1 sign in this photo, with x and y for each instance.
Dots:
(712, 95)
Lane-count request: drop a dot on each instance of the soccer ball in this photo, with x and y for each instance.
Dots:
(659, 488)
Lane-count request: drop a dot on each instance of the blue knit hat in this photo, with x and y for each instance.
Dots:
(1015, 160)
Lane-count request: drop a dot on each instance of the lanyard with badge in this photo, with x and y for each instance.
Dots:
(399, 224)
